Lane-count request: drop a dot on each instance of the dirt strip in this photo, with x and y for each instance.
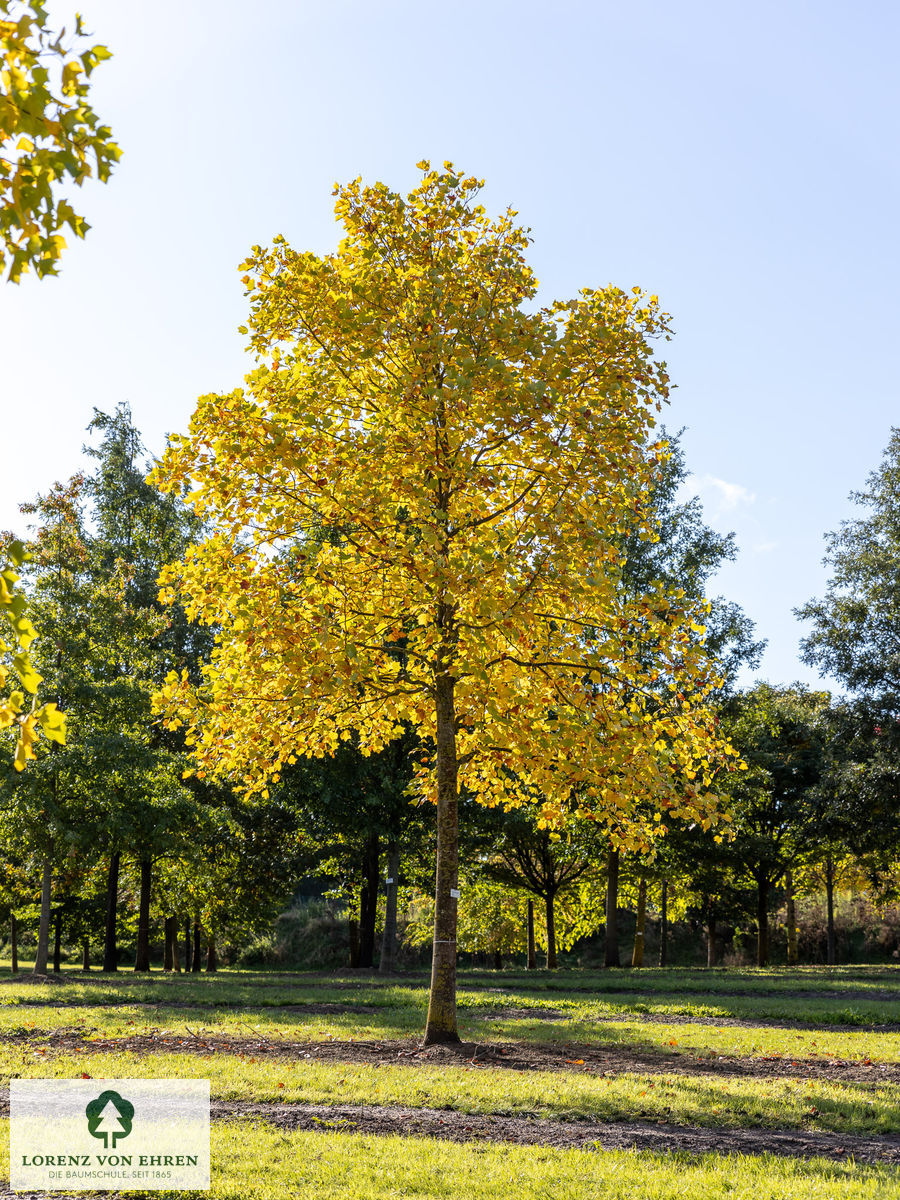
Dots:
(661, 1137)
(511, 1056)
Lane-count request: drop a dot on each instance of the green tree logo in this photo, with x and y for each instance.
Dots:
(109, 1116)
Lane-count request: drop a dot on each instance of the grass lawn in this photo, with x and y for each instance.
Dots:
(669, 1015)
(252, 1161)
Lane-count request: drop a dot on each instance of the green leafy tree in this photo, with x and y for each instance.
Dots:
(856, 626)
(776, 814)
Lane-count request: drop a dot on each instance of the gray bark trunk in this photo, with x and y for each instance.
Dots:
(389, 937)
(611, 957)
(441, 1025)
(637, 955)
(43, 946)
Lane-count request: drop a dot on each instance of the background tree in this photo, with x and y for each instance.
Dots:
(775, 812)
(856, 625)
(49, 135)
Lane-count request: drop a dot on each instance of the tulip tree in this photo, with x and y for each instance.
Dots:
(49, 135)
(415, 508)
(16, 636)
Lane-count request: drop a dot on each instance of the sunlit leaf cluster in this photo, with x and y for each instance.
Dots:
(49, 135)
(19, 711)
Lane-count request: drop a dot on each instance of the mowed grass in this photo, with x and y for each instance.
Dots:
(579, 1093)
(400, 1013)
(253, 1161)
(595, 1010)
(854, 999)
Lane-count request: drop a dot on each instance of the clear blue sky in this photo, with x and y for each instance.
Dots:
(741, 161)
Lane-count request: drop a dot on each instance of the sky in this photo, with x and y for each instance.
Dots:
(739, 161)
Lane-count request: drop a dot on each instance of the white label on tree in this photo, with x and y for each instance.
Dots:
(389, 879)
(454, 892)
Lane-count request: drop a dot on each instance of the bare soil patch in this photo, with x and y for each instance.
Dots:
(660, 1137)
(510, 1056)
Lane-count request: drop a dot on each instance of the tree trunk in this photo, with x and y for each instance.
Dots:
(169, 951)
(14, 942)
(389, 937)
(353, 926)
(498, 960)
(368, 903)
(532, 957)
(551, 932)
(791, 918)
(637, 954)
(710, 933)
(212, 962)
(110, 952)
(142, 956)
(441, 1024)
(196, 963)
(57, 941)
(86, 954)
(611, 958)
(664, 924)
(762, 920)
(829, 898)
(187, 947)
(43, 946)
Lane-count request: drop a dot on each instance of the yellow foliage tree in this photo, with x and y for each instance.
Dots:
(16, 635)
(48, 134)
(416, 508)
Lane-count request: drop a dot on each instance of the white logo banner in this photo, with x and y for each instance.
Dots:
(108, 1134)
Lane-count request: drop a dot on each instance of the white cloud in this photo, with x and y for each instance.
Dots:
(720, 494)
(764, 547)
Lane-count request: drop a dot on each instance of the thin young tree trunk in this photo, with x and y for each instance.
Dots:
(212, 962)
(532, 957)
(710, 933)
(196, 961)
(142, 956)
(664, 924)
(14, 940)
(110, 952)
(637, 954)
(611, 957)
(85, 954)
(168, 952)
(368, 910)
(791, 918)
(187, 947)
(829, 897)
(353, 926)
(498, 960)
(762, 920)
(57, 941)
(549, 900)
(441, 1024)
(389, 937)
(43, 946)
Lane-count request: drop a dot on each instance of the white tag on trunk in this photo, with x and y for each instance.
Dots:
(389, 879)
(454, 892)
